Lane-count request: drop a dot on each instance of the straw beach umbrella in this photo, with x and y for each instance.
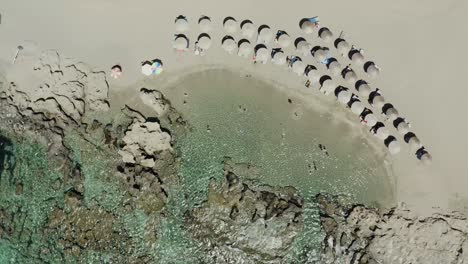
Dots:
(204, 41)
(370, 120)
(116, 71)
(265, 35)
(299, 67)
(228, 43)
(350, 76)
(414, 143)
(278, 57)
(205, 23)
(426, 158)
(356, 57)
(325, 34)
(284, 40)
(245, 48)
(181, 24)
(334, 67)
(320, 55)
(401, 125)
(393, 145)
(327, 85)
(344, 96)
(378, 101)
(342, 46)
(230, 25)
(357, 107)
(371, 69)
(261, 53)
(247, 29)
(181, 42)
(302, 46)
(312, 74)
(382, 133)
(307, 26)
(391, 113)
(363, 88)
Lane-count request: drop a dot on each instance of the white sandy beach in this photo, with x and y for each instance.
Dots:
(420, 46)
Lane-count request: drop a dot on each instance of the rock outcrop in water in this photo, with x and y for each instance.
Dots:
(358, 234)
(242, 222)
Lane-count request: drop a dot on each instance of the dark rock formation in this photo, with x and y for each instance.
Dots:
(242, 222)
(358, 234)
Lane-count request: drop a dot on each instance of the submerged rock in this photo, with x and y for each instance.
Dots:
(358, 234)
(242, 222)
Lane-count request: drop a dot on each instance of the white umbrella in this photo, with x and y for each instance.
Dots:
(262, 55)
(391, 114)
(245, 48)
(403, 128)
(320, 55)
(426, 159)
(350, 76)
(335, 68)
(378, 101)
(205, 24)
(313, 75)
(181, 24)
(279, 58)
(357, 59)
(364, 89)
(229, 45)
(357, 107)
(370, 120)
(373, 71)
(265, 34)
(328, 86)
(343, 46)
(344, 96)
(303, 47)
(284, 40)
(204, 41)
(414, 144)
(308, 27)
(298, 67)
(181, 43)
(326, 35)
(147, 68)
(394, 147)
(248, 29)
(382, 133)
(230, 25)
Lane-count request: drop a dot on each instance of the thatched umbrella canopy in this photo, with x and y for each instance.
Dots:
(370, 120)
(245, 48)
(265, 34)
(325, 34)
(426, 158)
(363, 88)
(230, 25)
(284, 40)
(357, 107)
(344, 96)
(328, 85)
(205, 23)
(313, 74)
(378, 101)
(307, 26)
(350, 76)
(402, 128)
(279, 58)
(356, 58)
(391, 113)
(181, 24)
(229, 44)
(247, 28)
(382, 133)
(371, 69)
(320, 55)
(342, 46)
(335, 68)
(414, 143)
(204, 41)
(261, 53)
(303, 47)
(394, 147)
(181, 42)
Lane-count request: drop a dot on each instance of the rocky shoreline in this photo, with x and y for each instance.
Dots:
(75, 188)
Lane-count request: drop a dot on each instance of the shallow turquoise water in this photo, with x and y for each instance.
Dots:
(250, 121)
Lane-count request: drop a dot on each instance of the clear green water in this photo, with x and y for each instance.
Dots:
(269, 135)
(250, 121)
